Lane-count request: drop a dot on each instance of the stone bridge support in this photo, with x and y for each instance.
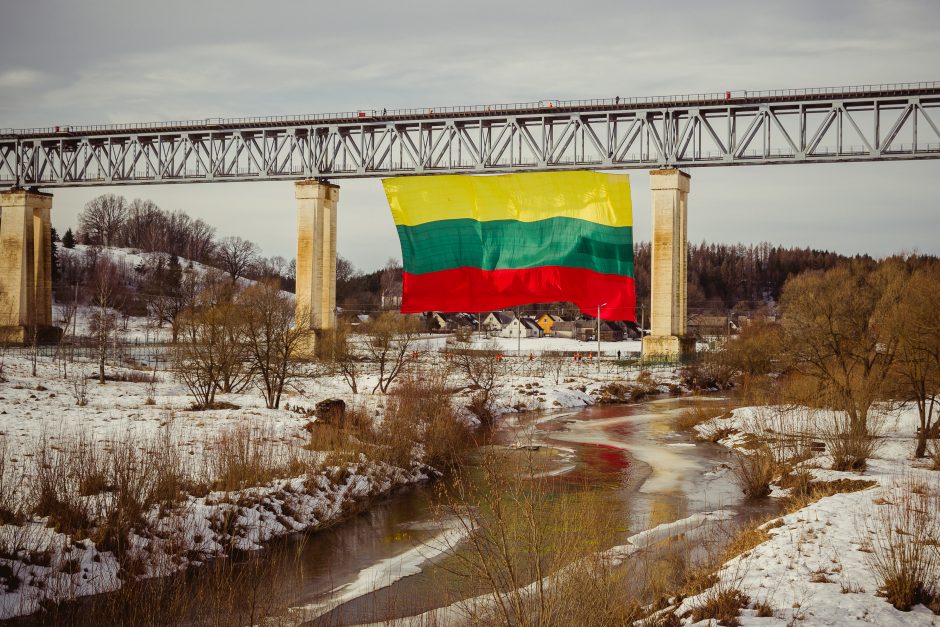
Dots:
(25, 265)
(669, 272)
(316, 254)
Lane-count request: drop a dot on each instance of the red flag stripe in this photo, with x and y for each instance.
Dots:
(471, 289)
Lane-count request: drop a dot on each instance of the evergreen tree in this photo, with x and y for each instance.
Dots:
(68, 240)
(55, 256)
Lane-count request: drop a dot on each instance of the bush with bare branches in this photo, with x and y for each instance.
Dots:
(904, 531)
(754, 470)
(274, 342)
(482, 370)
(389, 341)
(848, 442)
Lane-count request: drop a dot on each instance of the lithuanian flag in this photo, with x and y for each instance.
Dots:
(481, 243)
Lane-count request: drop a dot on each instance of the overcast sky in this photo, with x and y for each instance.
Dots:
(67, 62)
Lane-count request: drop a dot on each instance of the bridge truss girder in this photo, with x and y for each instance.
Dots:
(560, 136)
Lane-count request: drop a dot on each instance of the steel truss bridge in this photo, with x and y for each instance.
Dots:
(839, 124)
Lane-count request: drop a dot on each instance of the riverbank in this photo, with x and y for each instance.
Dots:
(823, 562)
(654, 484)
(45, 561)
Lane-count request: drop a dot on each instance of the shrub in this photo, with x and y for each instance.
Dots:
(419, 411)
(754, 471)
(240, 457)
(849, 444)
(721, 604)
(904, 557)
(714, 371)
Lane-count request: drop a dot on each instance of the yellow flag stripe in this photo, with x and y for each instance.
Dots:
(526, 197)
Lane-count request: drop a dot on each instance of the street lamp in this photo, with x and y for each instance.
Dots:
(599, 336)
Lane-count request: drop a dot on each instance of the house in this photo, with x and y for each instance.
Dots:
(441, 322)
(628, 330)
(574, 329)
(533, 326)
(496, 321)
(521, 327)
(611, 331)
(546, 321)
(709, 325)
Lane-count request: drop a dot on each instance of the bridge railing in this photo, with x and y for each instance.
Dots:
(548, 104)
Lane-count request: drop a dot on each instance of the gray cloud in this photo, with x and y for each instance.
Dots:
(109, 61)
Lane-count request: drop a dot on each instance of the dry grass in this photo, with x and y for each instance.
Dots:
(240, 457)
(809, 492)
(522, 529)
(419, 410)
(754, 471)
(904, 533)
(722, 605)
(698, 413)
(103, 489)
(249, 590)
(12, 483)
(849, 448)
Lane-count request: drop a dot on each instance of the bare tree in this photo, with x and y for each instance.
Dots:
(918, 359)
(67, 313)
(391, 276)
(103, 218)
(236, 256)
(106, 289)
(172, 298)
(554, 364)
(837, 332)
(199, 354)
(339, 348)
(390, 338)
(235, 370)
(482, 370)
(199, 243)
(345, 270)
(145, 226)
(273, 341)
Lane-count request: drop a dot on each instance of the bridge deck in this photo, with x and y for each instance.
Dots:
(860, 123)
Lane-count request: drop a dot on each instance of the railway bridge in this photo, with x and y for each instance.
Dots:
(666, 135)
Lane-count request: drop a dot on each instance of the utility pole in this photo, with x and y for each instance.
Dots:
(599, 337)
(518, 332)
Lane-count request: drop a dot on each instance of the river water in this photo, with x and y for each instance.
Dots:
(391, 561)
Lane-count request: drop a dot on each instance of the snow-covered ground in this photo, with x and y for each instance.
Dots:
(539, 345)
(44, 407)
(815, 569)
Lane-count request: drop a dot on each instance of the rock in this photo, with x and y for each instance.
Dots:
(331, 410)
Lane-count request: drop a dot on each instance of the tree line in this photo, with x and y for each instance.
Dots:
(859, 336)
(721, 277)
(745, 277)
(111, 220)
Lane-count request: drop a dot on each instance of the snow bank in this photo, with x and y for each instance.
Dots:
(814, 568)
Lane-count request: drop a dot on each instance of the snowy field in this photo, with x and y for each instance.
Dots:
(816, 567)
(43, 408)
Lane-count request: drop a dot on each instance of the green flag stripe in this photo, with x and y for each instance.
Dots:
(510, 244)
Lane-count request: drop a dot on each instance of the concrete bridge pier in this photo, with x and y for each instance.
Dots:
(316, 254)
(26, 266)
(669, 272)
